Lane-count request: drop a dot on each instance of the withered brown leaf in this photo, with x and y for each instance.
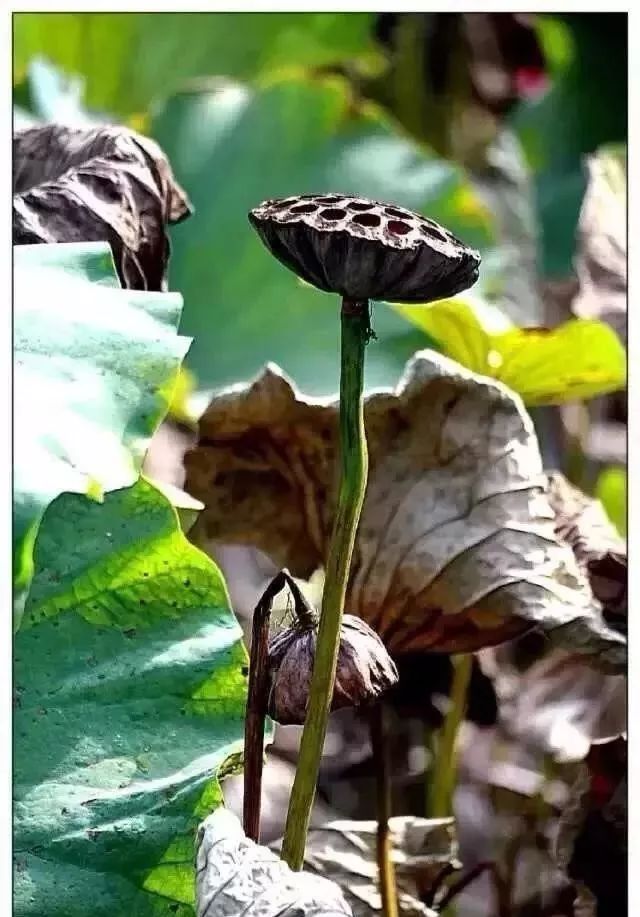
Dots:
(599, 550)
(107, 184)
(601, 262)
(345, 852)
(456, 547)
(234, 875)
(560, 703)
(592, 835)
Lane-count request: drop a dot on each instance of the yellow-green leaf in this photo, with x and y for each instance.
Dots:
(464, 328)
(578, 359)
(178, 392)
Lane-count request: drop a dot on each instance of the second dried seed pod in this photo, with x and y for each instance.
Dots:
(365, 669)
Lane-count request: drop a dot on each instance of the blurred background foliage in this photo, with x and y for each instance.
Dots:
(452, 81)
(482, 121)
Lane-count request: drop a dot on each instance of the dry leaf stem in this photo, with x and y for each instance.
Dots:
(356, 332)
(256, 708)
(443, 776)
(382, 765)
(258, 695)
(456, 888)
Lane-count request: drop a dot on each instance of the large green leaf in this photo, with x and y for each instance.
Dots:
(130, 59)
(231, 147)
(93, 365)
(129, 692)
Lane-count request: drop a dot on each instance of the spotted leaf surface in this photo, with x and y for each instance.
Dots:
(93, 364)
(129, 681)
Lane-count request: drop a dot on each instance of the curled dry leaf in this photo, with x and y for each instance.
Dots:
(233, 874)
(107, 184)
(592, 837)
(601, 263)
(560, 703)
(345, 852)
(601, 553)
(456, 547)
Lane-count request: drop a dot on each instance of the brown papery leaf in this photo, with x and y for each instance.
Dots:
(345, 852)
(107, 184)
(601, 262)
(560, 703)
(599, 550)
(456, 548)
(591, 843)
(234, 876)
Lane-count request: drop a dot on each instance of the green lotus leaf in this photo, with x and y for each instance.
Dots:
(92, 363)
(129, 675)
(127, 60)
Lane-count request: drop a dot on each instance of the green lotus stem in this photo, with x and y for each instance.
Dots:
(355, 334)
(445, 765)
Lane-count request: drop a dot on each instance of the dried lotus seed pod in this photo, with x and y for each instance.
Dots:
(364, 249)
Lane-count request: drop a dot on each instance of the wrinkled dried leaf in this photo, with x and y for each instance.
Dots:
(107, 184)
(233, 874)
(456, 548)
(583, 522)
(600, 551)
(592, 837)
(601, 263)
(561, 705)
(345, 852)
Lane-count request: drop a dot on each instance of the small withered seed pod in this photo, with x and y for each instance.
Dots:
(364, 249)
(280, 678)
(365, 669)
